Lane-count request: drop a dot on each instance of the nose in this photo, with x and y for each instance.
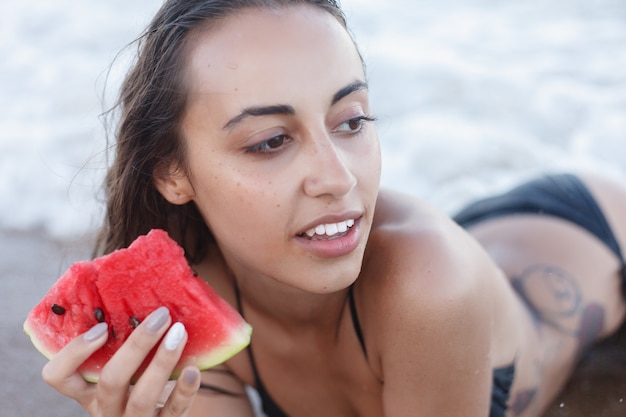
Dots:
(327, 173)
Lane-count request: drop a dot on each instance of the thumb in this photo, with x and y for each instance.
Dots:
(183, 393)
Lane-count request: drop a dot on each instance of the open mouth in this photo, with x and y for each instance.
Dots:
(328, 231)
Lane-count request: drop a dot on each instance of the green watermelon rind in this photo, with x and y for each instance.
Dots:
(45, 351)
(239, 339)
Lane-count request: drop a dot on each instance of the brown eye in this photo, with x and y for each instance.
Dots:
(354, 124)
(270, 145)
(276, 142)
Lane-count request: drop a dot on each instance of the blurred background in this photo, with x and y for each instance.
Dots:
(471, 96)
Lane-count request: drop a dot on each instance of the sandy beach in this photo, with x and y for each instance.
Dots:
(30, 262)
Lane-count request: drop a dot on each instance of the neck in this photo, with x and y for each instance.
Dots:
(271, 301)
(287, 306)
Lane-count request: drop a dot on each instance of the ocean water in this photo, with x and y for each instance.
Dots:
(471, 96)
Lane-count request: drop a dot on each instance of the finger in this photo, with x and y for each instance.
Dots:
(144, 395)
(117, 373)
(61, 371)
(181, 399)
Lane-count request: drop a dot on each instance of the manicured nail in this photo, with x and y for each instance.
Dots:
(157, 319)
(95, 332)
(190, 375)
(174, 336)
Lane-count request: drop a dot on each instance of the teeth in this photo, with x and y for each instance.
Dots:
(330, 229)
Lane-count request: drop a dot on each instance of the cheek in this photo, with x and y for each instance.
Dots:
(232, 202)
(376, 160)
(367, 163)
(248, 222)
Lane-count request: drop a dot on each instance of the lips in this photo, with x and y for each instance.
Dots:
(333, 237)
(328, 231)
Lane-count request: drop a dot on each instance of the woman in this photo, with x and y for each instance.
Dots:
(246, 132)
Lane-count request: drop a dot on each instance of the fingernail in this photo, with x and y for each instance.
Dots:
(174, 336)
(157, 319)
(95, 332)
(190, 375)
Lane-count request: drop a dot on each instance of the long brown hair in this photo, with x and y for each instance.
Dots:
(151, 105)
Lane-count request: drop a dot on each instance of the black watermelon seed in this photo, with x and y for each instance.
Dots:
(195, 274)
(134, 322)
(113, 334)
(99, 314)
(58, 310)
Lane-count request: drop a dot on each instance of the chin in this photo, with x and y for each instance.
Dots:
(337, 279)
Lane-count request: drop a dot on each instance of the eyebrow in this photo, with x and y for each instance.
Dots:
(349, 89)
(289, 110)
(260, 111)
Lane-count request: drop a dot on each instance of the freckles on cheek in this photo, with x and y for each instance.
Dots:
(242, 195)
(245, 197)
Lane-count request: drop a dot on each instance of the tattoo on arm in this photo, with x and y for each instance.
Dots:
(522, 401)
(554, 298)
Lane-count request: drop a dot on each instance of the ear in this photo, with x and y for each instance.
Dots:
(172, 182)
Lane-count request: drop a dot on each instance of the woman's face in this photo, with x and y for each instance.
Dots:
(283, 163)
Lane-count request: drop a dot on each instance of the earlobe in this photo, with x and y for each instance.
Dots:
(172, 182)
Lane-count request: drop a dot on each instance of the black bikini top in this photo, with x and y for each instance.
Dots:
(502, 377)
(270, 407)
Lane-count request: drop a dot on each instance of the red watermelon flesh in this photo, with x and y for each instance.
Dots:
(122, 289)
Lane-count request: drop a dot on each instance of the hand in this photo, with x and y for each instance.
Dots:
(112, 396)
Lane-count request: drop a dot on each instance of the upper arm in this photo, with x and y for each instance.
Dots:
(233, 401)
(436, 332)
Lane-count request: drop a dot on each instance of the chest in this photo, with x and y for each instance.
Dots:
(312, 376)
(320, 387)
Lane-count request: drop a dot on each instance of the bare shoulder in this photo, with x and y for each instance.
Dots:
(423, 267)
(415, 244)
(427, 290)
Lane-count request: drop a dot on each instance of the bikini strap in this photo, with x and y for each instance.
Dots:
(355, 319)
(269, 406)
(257, 380)
(353, 313)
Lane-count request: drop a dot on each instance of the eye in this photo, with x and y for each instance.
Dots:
(271, 145)
(354, 125)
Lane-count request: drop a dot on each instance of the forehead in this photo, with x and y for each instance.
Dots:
(260, 50)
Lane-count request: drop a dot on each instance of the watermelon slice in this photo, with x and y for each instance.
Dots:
(123, 288)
